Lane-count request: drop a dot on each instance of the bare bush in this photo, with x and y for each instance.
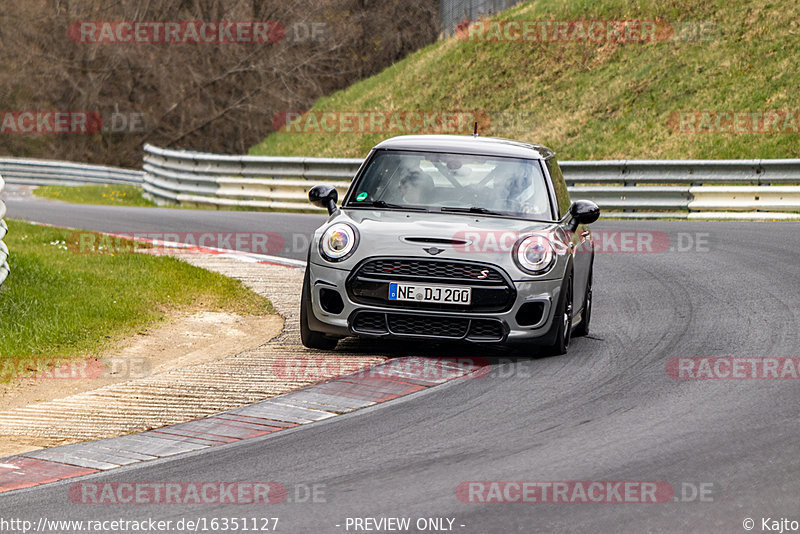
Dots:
(212, 97)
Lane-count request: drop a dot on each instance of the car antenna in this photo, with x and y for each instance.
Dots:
(475, 131)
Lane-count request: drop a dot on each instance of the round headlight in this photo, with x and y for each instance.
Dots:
(338, 242)
(534, 254)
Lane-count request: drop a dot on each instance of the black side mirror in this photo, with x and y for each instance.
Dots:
(324, 196)
(583, 212)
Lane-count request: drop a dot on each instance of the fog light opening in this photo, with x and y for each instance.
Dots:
(530, 313)
(331, 301)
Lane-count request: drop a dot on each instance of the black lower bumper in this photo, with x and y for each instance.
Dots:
(430, 326)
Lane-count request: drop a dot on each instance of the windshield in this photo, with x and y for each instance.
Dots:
(453, 182)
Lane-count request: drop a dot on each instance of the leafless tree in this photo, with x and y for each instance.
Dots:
(213, 97)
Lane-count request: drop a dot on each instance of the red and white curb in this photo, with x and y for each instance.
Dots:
(180, 248)
(172, 247)
(390, 380)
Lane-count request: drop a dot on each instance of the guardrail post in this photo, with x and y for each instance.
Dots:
(626, 183)
(4, 268)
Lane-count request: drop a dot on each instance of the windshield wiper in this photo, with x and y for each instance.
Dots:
(383, 204)
(473, 209)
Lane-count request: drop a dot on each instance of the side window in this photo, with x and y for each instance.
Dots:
(560, 186)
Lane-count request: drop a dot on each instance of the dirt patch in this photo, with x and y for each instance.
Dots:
(184, 339)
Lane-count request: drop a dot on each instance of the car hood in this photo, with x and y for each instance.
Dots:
(435, 224)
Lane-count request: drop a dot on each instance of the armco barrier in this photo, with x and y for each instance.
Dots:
(252, 181)
(3, 230)
(52, 172)
(701, 171)
(623, 188)
(753, 189)
(744, 189)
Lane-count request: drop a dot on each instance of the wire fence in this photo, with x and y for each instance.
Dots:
(454, 12)
(3, 229)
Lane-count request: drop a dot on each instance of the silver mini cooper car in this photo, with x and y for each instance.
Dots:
(451, 238)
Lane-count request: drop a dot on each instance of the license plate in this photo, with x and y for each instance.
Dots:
(423, 293)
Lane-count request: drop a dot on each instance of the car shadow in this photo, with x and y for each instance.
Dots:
(453, 350)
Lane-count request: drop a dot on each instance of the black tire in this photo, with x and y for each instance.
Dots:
(562, 320)
(583, 328)
(310, 338)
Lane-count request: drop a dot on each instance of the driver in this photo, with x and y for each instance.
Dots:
(508, 189)
(416, 187)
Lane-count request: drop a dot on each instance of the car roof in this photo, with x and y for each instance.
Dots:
(467, 144)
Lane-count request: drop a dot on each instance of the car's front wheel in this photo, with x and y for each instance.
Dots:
(310, 338)
(583, 328)
(562, 320)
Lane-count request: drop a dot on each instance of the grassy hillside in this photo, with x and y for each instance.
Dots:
(590, 100)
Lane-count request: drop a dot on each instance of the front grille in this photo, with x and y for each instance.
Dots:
(454, 327)
(429, 326)
(444, 270)
(492, 290)
(483, 329)
(370, 323)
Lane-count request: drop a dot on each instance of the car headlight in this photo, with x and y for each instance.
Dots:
(534, 254)
(338, 242)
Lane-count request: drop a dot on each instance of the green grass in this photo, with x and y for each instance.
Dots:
(589, 100)
(105, 195)
(57, 304)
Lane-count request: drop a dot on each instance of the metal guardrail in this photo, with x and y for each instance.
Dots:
(180, 176)
(4, 269)
(756, 188)
(625, 188)
(52, 172)
(760, 188)
(696, 172)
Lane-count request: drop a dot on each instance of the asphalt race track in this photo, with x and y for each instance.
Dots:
(293, 228)
(607, 411)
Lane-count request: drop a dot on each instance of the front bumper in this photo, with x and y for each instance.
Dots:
(527, 318)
